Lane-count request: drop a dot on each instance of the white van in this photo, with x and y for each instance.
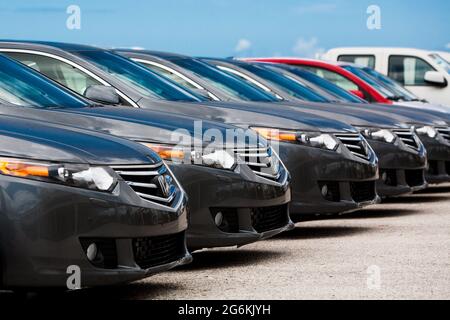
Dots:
(425, 73)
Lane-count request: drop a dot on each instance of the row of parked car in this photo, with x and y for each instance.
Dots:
(122, 162)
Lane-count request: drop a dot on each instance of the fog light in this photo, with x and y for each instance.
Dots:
(218, 219)
(91, 252)
(384, 176)
(324, 191)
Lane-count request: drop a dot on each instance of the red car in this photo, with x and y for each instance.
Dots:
(334, 73)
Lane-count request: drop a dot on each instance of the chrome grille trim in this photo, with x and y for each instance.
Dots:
(355, 144)
(407, 137)
(258, 159)
(444, 132)
(153, 183)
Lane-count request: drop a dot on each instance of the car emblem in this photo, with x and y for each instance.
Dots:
(164, 184)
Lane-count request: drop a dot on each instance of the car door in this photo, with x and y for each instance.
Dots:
(410, 71)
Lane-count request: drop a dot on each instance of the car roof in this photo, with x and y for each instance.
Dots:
(59, 45)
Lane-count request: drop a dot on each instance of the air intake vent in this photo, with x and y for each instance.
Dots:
(263, 162)
(355, 144)
(151, 182)
(407, 137)
(444, 132)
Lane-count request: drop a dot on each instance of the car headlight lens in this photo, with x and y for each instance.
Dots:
(220, 159)
(75, 175)
(427, 130)
(379, 134)
(311, 139)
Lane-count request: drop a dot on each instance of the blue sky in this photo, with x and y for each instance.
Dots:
(231, 27)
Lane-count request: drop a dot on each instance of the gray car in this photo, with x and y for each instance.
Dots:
(65, 203)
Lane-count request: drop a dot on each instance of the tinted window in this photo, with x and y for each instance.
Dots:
(363, 60)
(333, 77)
(409, 71)
(140, 78)
(392, 85)
(326, 85)
(286, 84)
(379, 86)
(170, 75)
(224, 81)
(57, 70)
(22, 86)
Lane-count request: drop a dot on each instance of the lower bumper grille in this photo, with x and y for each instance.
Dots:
(271, 218)
(156, 251)
(390, 176)
(362, 191)
(433, 168)
(414, 178)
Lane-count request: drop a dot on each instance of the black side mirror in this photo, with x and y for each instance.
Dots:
(102, 94)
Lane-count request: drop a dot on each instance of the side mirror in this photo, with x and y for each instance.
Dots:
(435, 78)
(358, 93)
(102, 94)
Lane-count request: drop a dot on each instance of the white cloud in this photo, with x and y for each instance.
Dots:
(316, 8)
(243, 45)
(308, 48)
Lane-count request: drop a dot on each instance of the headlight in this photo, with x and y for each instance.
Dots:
(220, 159)
(74, 175)
(379, 134)
(427, 130)
(311, 139)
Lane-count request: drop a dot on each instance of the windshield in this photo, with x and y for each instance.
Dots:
(20, 85)
(145, 81)
(289, 85)
(326, 85)
(392, 85)
(441, 62)
(223, 81)
(381, 88)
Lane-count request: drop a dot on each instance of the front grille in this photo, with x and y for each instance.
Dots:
(414, 178)
(262, 161)
(355, 144)
(362, 191)
(156, 251)
(444, 132)
(270, 218)
(407, 137)
(150, 182)
(106, 257)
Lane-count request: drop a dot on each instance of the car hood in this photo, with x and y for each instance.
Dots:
(248, 114)
(358, 115)
(28, 139)
(139, 125)
(424, 106)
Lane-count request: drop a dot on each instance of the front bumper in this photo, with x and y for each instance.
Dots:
(241, 197)
(350, 179)
(438, 160)
(45, 227)
(402, 168)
